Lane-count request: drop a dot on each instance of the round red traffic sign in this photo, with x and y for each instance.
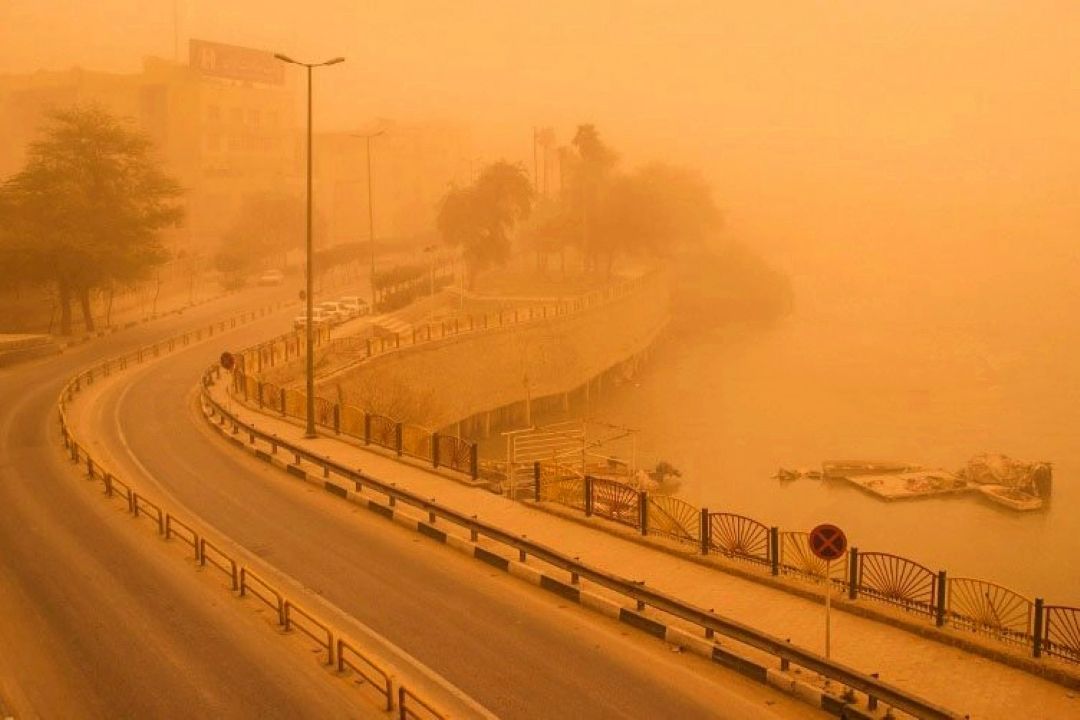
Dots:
(828, 542)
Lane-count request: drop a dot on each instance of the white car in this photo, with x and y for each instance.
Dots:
(356, 306)
(272, 277)
(319, 317)
(334, 311)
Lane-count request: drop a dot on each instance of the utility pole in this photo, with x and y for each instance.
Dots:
(371, 211)
(309, 320)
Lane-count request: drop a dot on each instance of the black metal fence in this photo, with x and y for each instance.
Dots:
(969, 604)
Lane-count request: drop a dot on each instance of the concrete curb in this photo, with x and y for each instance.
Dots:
(1038, 668)
(708, 649)
(1029, 665)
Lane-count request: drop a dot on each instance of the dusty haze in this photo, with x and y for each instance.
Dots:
(914, 166)
(926, 140)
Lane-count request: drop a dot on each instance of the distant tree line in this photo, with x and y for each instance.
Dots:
(85, 211)
(600, 210)
(267, 226)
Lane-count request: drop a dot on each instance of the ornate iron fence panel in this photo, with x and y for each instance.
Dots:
(674, 518)
(796, 558)
(1061, 636)
(560, 484)
(271, 395)
(988, 608)
(324, 412)
(616, 501)
(352, 421)
(296, 404)
(416, 442)
(383, 431)
(455, 453)
(899, 581)
(740, 537)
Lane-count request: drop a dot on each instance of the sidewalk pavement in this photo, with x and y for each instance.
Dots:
(942, 673)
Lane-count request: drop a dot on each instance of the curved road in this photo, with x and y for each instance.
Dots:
(94, 623)
(106, 629)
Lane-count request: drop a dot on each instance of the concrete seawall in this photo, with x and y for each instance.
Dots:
(501, 373)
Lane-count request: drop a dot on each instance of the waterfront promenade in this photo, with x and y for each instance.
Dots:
(964, 681)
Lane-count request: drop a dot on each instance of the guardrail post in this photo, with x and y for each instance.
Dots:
(259, 389)
(367, 428)
(1037, 633)
(536, 480)
(397, 438)
(705, 528)
(588, 495)
(939, 611)
(282, 392)
(337, 419)
(853, 573)
(474, 461)
(435, 449)
(871, 701)
(774, 550)
(89, 466)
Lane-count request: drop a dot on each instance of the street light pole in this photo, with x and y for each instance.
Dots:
(371, 212)
(309, 333)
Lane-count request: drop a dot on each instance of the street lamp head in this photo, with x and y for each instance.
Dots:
(334, 61)
(285, 58)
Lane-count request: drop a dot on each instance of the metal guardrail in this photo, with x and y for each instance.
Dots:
(975, 605)
(242, 579)
(642, 595)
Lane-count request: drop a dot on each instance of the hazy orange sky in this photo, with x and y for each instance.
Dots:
(904, 135)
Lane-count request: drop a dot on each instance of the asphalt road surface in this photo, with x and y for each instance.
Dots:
(94, 621)
(100, 623)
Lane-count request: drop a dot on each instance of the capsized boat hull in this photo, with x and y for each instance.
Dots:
(1010, 497)
(854, 468)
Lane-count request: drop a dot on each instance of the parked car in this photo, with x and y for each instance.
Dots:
(356, 305)
(318, 318)
(334, 311)
(272, 277)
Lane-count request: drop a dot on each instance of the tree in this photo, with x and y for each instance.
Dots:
(479, 218)
(86, 209)
(268, 225)
(589, 171)
(652, 211)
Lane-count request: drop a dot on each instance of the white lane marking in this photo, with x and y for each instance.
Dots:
(372, 634)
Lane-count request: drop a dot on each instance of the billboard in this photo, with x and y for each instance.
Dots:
(235, 63)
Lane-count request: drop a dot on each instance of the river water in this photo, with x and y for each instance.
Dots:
(911, 378)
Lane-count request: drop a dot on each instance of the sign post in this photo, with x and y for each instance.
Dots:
(829, 543)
